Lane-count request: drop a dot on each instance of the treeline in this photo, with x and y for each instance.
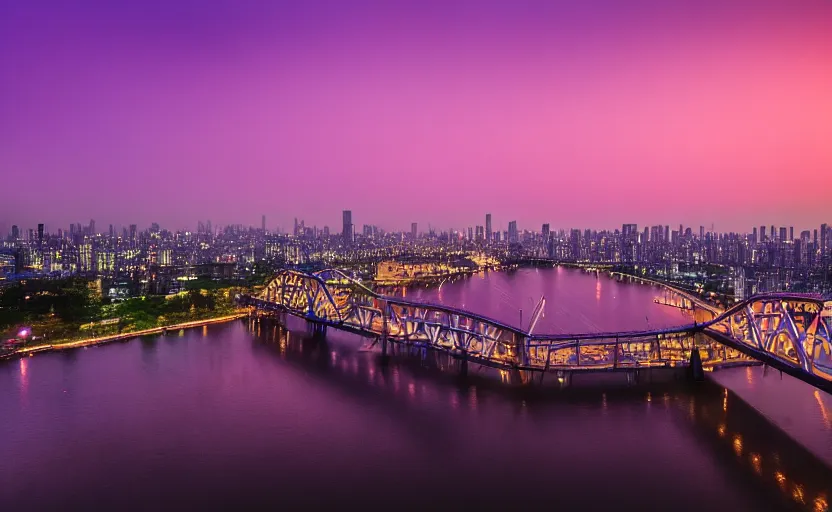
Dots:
(70, 300)
(59, 308)
(154, 311)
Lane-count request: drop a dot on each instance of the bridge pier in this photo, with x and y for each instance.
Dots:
(316, 329)
(695, 368)
(463, 366)
(385, 357)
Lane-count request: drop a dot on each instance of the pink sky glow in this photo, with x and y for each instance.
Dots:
(175, 112)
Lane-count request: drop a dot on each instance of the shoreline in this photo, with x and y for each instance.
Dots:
(100, 340)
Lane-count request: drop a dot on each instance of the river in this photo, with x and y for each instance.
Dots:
(249, 414)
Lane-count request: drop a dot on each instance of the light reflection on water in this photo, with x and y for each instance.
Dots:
(727, 425)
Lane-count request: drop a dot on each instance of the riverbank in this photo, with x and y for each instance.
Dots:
(46, 347)
(715, 310)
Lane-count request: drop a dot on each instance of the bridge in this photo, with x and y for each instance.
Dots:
(788, 332)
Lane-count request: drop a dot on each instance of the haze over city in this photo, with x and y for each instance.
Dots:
(583, 115)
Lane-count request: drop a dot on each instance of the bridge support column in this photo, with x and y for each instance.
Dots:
(316, 329)
(384, 355)
(695, 368)
(385, 358)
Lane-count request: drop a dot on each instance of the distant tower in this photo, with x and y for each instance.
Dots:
(347, 230)
(487, 227)
(16, 232)
(413, 227)
(512, 232)
(263, 224)
(40, 234)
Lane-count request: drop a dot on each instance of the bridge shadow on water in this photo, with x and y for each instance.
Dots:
(425, 394)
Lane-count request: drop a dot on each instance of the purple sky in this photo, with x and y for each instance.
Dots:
(587, 114)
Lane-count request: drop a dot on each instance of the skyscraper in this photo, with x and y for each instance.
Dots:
(40, 233)
(347, 230)
(15, 232)
(413, 227)
(546, 233)
(512, 232)
(487, 227)
(762, 233)
(263, 224)
(791, 233)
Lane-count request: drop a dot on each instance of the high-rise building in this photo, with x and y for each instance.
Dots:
(762, 233)
(86, 263)
(263, 224)
(791, 233)
(347, 229)
(512, 232)
(413, 227)
(773, 233)
(545, 232)
(754, 236)
(488, 227)
(701, 232)
(132, 232)
(15, 232)
(824, 241)
(112, 231)
(40, 233)
(92, 227)
(782, 235)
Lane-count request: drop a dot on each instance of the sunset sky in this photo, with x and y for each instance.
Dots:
(578, 113)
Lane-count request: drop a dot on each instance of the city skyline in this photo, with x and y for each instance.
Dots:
(338, 227)
(548, 112)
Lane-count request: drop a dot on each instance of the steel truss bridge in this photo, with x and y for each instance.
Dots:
(791, 333)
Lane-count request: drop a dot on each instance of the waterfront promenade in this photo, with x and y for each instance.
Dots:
(45, 347)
